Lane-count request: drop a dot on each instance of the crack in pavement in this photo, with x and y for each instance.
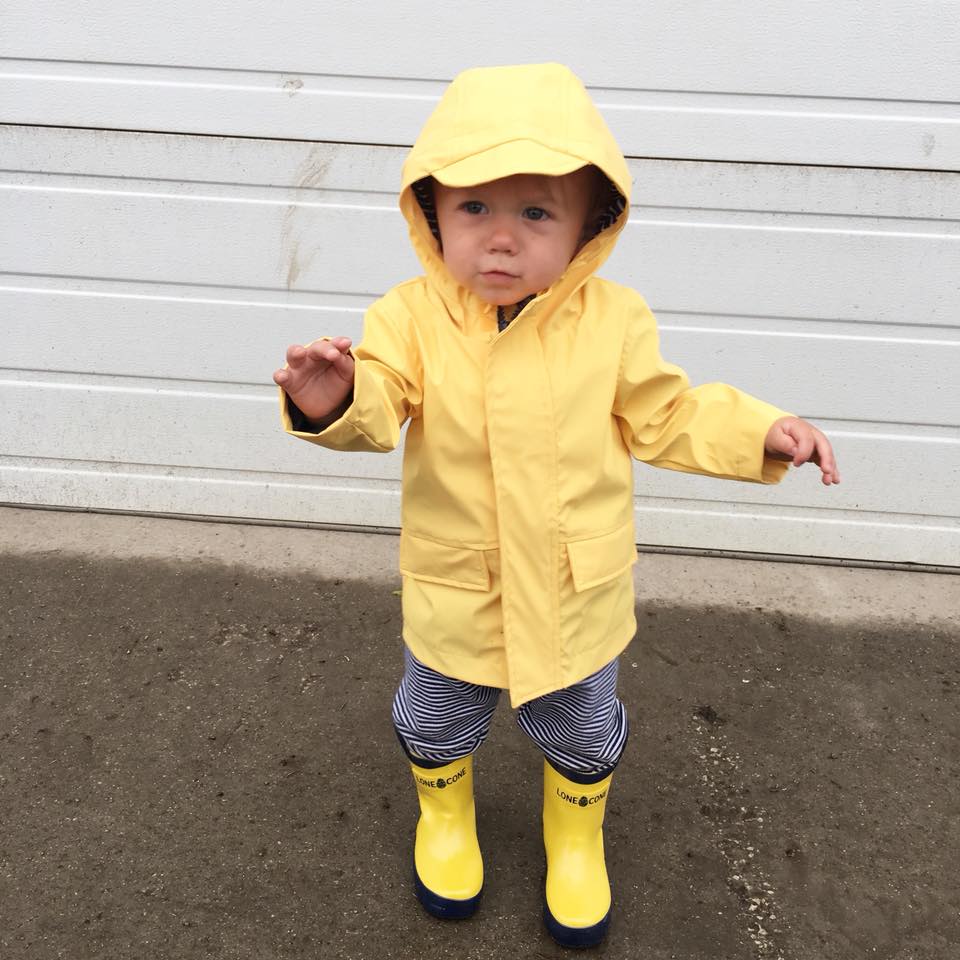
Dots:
(737, 822)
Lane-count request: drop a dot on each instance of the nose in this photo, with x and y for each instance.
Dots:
(502, 237)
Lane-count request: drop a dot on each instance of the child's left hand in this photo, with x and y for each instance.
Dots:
(791, 438)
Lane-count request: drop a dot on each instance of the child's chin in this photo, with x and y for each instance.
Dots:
(497, 298)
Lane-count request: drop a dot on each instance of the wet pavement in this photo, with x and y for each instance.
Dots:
(196, 760)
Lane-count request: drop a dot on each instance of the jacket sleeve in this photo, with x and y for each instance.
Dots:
(387, 389)
(713, 429)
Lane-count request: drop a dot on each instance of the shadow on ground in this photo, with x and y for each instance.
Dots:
(197, 761)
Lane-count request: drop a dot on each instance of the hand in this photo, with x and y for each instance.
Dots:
(318, 378)
(791, 438)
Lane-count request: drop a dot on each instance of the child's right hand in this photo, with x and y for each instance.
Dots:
(318, 378)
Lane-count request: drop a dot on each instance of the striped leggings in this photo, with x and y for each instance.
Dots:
(581, 729)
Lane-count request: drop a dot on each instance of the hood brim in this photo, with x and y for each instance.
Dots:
(507, 160)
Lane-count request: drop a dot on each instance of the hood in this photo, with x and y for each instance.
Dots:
(494, 122)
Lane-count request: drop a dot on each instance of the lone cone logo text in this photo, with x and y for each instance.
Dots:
(442, 782)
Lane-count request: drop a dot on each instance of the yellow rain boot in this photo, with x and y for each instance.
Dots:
(577, 909)
(448, 868)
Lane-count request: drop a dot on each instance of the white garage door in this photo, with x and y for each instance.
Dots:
(186, 192)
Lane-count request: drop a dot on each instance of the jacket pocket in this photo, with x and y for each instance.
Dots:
(440, 563)
(599, 559)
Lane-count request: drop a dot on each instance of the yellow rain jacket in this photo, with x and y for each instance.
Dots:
(518, 535)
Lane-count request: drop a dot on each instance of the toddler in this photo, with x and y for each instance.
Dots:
(528, 383)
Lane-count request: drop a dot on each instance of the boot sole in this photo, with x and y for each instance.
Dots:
(575, 936)
(444, 908)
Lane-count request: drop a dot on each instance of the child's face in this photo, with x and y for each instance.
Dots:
(510, 238)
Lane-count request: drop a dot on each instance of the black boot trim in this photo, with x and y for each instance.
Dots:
(584, 779)
(575, 936)
(443, 907)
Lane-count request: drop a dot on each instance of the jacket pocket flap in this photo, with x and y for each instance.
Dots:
(599, 559)
(440, 563)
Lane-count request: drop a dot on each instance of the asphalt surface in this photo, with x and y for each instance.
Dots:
(196, 760)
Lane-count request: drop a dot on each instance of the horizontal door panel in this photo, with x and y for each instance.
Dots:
(680, 124)
(707, 526)
(240, 431)
(801, 367)
(794, 267)
(819, 48)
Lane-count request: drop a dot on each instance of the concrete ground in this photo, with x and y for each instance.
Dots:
(196, 758)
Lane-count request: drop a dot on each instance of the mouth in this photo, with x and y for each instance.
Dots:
(498, 276)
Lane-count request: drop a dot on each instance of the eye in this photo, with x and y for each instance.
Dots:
(473, 207)
(536, 213)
